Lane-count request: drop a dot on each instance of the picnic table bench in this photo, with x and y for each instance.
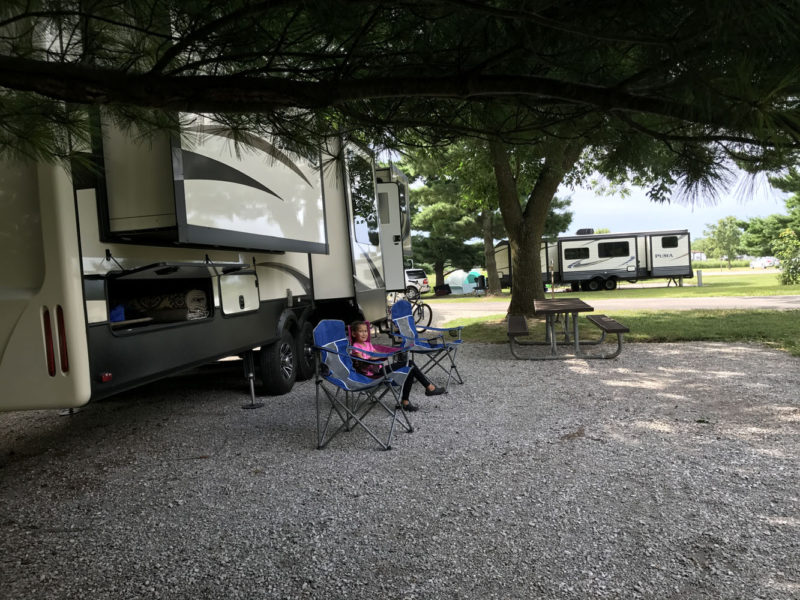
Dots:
(518, 328)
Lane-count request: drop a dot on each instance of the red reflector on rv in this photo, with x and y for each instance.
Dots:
(105, 377)
(48, 343)
(62, 339)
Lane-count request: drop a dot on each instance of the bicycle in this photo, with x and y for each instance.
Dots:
(423, 313)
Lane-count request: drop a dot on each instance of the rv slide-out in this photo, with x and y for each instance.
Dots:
(149, 257)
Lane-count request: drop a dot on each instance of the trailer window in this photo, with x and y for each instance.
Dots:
(362, 193)
(613, 249)
(670, 241)
(576, 253)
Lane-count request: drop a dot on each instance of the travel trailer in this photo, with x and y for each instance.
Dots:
(592, 262)
(149, 257)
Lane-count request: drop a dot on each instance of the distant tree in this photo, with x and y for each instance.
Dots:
(761, 233)
(700, 245)
(787, 250)
(724, 238)
(790, 183)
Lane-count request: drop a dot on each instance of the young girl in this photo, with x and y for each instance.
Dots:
(360, 339)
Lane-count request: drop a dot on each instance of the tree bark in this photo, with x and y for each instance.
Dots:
(525, 224)
(492, 279)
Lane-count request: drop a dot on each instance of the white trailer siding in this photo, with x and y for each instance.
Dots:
(582, 259)
(395, 225)
(670, 255)
(43, 345)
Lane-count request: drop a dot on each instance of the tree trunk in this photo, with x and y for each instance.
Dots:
(525, 224)
(438, 271)
(492, 279)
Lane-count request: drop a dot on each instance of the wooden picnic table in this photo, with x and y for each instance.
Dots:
(551, 309)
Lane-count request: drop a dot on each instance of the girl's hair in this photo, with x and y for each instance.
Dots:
(356, 324)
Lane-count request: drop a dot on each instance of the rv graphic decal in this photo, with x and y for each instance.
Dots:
(588, 263)
(199, 167)
(303, 279)
(255, 142)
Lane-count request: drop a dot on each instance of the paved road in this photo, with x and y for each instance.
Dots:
(444, 311)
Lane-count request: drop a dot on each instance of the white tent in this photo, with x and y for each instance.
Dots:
(461, 282)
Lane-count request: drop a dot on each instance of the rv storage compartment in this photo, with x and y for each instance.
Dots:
(157, 294)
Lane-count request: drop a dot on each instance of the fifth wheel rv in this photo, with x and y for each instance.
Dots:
(150, 257)
(593, 262)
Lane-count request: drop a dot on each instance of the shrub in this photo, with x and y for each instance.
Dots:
(787, 250)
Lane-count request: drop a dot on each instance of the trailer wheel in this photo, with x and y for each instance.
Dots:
(277, 365)
(305, 353)
(575, 286)
(610, 283)
(595, 284)
(584, 286)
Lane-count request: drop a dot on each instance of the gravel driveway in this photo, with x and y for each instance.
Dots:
(669, 472)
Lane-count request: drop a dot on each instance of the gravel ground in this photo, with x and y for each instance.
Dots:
(669, 472)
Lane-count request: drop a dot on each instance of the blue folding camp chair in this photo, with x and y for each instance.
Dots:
(350, 395)
(436, 350)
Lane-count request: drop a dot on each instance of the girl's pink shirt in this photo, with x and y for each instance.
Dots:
(364, 346)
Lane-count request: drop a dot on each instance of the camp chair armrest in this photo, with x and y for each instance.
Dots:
(368, 354)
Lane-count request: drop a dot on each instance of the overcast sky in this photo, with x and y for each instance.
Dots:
(637, 213)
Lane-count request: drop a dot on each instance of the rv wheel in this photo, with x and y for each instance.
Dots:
(611, 283)
(594, 284)
(305, 353)
(277, 365)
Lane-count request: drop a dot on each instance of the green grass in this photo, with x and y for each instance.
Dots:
(742, 284)
(776, 329)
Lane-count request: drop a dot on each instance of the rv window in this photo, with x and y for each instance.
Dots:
(669, 241)
(576, 253)
(613, 249)
(383, 208)
(362, 193)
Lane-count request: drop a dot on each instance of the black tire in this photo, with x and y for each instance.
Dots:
(423, 315)
(594, 285)
(610, 283)
(277, 363)
(575, 286)
(306, 360)
(412, 293)
(584, 286)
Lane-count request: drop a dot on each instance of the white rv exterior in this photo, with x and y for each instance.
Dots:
(152, 257)
(598, 261)
(395, 225)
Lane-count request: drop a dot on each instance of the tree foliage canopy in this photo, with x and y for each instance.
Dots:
(720, 71)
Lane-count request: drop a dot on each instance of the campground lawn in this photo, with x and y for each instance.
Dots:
(773, 328)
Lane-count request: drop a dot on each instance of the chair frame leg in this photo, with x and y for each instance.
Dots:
(352, 407)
